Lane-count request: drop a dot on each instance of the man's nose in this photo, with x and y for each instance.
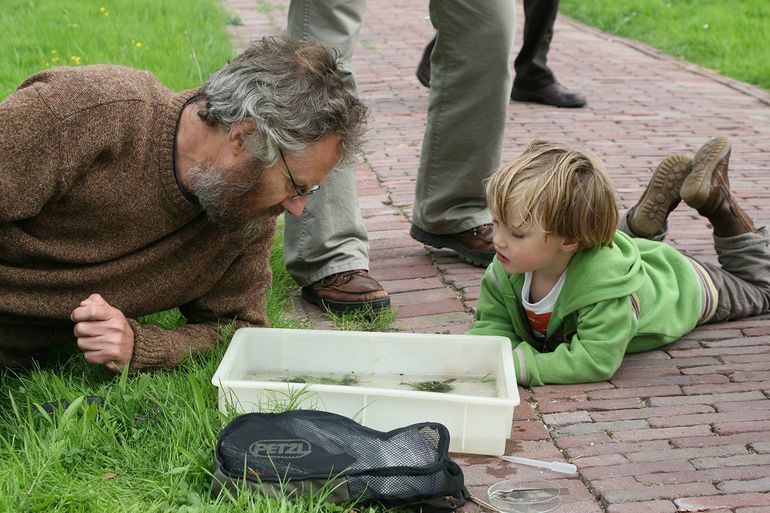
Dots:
(294, 206)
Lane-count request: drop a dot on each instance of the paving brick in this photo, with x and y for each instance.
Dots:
(575, 450)
(727, 387)
(643, 507)
(643, 392)
(652, 412)
(426, 309)
(727, 474)
(432, 295)
(567, 418)
(573, 392)
(656, 468)
(627, 489)
(529, 430)
(756, 367)
(613, 404)
(739, 406)
(715, 379)
(599, 427)
(602, 461)
(705, 398)
(661, 433)
(726, 419)
(722, 501)
(706, 441)
(411, 284)
(732, 428)
(685, 454)
(432, 323)
(731, 461)
(720, 349)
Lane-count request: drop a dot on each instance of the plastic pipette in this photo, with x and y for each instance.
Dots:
(556, 466)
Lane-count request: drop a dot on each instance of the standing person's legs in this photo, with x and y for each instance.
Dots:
(532, 71)
(470, 86)
(535, 82)
(329, 238)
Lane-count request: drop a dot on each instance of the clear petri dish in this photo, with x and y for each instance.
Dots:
(514, 496)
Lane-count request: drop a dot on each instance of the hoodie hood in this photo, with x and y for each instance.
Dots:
(593, 275)
(603, 273)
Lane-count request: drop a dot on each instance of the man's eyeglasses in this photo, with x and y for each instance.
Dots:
(301, 191)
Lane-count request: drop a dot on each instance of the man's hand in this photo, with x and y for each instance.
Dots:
(103, 333)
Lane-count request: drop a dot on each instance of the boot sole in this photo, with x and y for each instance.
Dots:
(339, 307)
(661, 195)
(695, 189)
(477, 258)
(522, 96)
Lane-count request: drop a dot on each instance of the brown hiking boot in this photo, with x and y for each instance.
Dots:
(648, 217)
(707, 190)
(347, 291)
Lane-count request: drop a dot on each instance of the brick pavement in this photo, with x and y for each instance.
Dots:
(683, 429)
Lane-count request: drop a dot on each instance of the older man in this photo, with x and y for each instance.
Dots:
(119, 198)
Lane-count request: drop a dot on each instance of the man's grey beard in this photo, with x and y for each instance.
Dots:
(222, 193)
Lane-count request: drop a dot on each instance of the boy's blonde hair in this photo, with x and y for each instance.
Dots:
(558, 189)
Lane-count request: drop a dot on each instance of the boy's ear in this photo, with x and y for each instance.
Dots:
(238, 131)
(570, 245)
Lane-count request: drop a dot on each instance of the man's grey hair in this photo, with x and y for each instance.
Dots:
(294, 93)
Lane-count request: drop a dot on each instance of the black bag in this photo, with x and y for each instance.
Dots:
(312, 452)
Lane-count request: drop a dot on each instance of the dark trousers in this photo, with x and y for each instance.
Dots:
(531, 66)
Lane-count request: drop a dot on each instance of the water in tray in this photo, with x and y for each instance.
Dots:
(479, 386)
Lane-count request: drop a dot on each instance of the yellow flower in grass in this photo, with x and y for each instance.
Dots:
(75, 60)
(104, 11)
(55, 60)
(54, 52)
(138, 44)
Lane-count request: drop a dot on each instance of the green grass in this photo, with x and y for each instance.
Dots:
(181, 42)
(729, 37)
(150, 447)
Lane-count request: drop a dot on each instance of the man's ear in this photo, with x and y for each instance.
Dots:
(238, 132)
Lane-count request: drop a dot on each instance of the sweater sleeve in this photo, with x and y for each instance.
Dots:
(492, 315)
(31, 164)
(594, 353)
(239, 297)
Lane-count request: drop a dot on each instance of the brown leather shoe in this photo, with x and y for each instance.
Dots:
(707, 190)
(474, 245)
(554, 94)
(648, 217)
(347, 291)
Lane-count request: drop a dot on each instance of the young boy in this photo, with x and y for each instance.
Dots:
(574, 294)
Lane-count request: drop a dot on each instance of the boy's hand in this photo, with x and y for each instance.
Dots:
(103, 333)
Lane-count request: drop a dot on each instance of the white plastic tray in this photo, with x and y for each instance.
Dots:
(384, 368)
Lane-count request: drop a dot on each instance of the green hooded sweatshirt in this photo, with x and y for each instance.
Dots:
(633, 296)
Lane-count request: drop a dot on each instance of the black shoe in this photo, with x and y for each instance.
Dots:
(423, 69)
(554, 94)
(474, 245)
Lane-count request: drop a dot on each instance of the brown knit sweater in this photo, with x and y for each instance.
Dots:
(89, 204)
